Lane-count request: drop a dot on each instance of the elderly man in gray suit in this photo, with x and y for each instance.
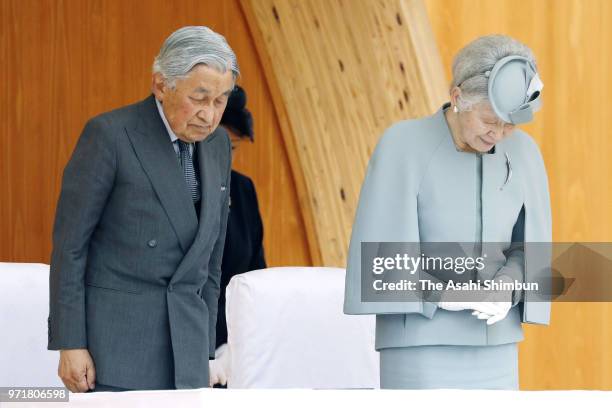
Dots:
(140, 228)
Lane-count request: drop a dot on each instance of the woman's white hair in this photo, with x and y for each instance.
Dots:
(189, 46)
(479, 56)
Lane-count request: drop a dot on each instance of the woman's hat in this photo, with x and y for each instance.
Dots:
(515, 89)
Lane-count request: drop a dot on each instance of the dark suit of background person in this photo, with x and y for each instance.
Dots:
(135, 271)
(244, 239)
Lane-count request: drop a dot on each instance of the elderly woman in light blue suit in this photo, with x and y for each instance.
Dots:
(464, 174)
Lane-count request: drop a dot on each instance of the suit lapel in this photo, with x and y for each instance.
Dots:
(156, 154)
(210, 188)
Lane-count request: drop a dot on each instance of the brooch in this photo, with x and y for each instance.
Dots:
(509, 173)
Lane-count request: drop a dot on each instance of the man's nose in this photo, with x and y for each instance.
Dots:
(206, 114)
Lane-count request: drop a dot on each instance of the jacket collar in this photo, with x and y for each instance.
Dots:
(156, 154)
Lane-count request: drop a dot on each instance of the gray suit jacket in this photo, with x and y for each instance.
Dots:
(134, 276)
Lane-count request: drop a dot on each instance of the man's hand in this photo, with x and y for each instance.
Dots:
(76, 369)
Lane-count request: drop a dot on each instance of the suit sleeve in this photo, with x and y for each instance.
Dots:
(386, 212)
(87, 182)
(211, 288)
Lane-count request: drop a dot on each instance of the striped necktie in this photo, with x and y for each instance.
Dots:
(188, 170)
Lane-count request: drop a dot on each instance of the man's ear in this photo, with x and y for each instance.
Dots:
(158, 86)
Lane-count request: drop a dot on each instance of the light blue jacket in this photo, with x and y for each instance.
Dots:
(420, 188)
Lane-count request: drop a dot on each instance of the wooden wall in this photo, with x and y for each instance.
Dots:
(572, 40)
(342, 72)
(65, 61)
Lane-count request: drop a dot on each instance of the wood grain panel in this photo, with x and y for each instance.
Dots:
(340, 73)
(572, 41)
(66, 61)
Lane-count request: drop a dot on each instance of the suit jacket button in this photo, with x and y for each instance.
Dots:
(170, 288)
(152, 243)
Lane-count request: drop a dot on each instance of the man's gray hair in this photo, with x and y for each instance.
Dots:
(479, 56)
(189, 46)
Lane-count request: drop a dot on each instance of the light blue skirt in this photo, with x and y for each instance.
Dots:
(463, 367)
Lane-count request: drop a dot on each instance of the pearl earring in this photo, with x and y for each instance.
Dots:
(455, 109)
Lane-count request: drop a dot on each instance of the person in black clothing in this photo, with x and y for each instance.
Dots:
(244, 238)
